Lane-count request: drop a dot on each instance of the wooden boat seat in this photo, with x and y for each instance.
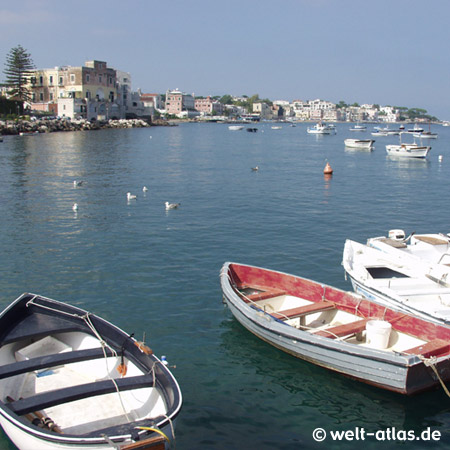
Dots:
(262, 294)
(432, 348)
(48, 361)
(37, 326)
(65, 395)
(343, 330)
(303, 310)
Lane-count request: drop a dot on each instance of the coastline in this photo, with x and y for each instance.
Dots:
(15, 127)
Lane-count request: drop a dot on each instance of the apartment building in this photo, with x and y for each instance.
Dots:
(180, 104)
(208, 106)
(94, 82)
(263, 109)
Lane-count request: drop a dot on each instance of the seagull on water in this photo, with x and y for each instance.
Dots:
(255, 169)
(75, 207)
(131, 196)
(77, 183)
(145, 189)
(172, 205)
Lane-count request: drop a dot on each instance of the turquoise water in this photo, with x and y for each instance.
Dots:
(156, 272)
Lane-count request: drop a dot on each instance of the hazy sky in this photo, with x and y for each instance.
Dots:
(390, 52)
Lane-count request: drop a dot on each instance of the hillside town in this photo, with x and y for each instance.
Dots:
(96, 92)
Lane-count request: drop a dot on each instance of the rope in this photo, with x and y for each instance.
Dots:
(430, 362)
(156, 430)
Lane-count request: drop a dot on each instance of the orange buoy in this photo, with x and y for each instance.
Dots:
(328, 170)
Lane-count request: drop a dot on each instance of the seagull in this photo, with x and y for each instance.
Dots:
(75, 207)
(77, 183)
(145, 189)
(255, 169)
(172, 205)
(130, 196)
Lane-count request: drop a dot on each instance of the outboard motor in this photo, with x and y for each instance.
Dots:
(397, 235)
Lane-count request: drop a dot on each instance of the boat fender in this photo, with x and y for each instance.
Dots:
(143, 348)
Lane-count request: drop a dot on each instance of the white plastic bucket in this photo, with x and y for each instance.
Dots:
(378, 333)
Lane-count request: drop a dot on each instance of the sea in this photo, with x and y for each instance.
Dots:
(155, 273)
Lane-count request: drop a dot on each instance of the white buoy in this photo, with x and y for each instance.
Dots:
(441, 158)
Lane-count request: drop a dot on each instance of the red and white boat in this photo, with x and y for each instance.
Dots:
(338, 330)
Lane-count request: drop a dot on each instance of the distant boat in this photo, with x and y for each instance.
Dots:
(407, 150)
(415, 129)
(359, 143)
(426, 134)
(252, 130)
(236, 127)
(358, 127)
(276, 127)
(320, 128)
(28, 133)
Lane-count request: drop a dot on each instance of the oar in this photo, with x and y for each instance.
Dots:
(45, 421)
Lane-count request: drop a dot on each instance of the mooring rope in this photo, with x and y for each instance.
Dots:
(431, 362)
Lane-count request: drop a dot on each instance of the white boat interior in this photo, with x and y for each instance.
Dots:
(325, 319)
(407, 280)
(99, 409)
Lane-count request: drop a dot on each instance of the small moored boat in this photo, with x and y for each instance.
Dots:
(236, 127)
(71, 380)
(338, 330)
(413, 277)
(359, 143)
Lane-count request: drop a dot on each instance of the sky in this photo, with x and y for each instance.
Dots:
(387, 52)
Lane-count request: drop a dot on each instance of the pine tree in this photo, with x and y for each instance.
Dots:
(18, 68)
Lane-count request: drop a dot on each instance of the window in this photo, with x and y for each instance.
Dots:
(51, 79)
(41, 79)
(99, 78)
(72, 78)
(41, 97)
(51, 95)
(60, 80)
(88, 78)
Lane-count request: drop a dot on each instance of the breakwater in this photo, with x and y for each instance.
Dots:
(14, 127)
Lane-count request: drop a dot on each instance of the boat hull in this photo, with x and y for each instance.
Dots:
(391, 371)
(359, 143)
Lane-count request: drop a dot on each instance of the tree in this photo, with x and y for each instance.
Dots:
(18, 68)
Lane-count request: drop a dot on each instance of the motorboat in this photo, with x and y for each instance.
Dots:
(403, 150)
(413, 278)
(358, 127)
(426, 135)
(71, 380)
(359, 143)
(415, 129)
(236, 127)
(338, 330)
(320, 128)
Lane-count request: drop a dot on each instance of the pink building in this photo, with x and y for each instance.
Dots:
(208, 106)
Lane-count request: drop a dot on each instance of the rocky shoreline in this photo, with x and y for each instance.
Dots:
(15, 127)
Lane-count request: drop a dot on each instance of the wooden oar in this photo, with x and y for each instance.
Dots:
(40, 420)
